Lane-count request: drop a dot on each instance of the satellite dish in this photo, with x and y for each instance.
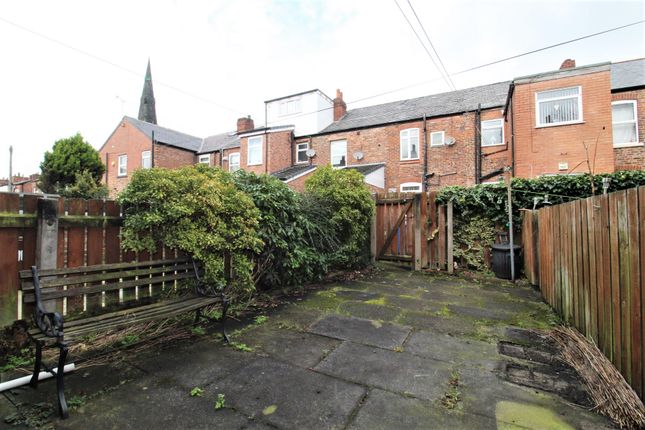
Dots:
(449, 141)
(311, 153)
(358, 155)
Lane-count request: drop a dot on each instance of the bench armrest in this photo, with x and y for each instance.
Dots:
(50, 323)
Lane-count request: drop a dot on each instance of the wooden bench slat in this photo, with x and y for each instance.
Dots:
(26, 274)
(30, 297)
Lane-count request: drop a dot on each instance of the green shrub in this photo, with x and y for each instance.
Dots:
(197, 210)
(345, 194)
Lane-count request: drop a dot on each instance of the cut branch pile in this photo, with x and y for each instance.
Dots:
(610, 393)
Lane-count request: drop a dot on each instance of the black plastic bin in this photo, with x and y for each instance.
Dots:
(502, 260)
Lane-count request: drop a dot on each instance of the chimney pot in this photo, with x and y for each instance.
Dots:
(568, 64)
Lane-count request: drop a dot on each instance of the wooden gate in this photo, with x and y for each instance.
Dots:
(412, 228)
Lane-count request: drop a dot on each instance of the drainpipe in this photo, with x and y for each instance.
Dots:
(512, 141)
(266, 153)
(425, 155)
(478, 139)
(107, 168)
(152, 153)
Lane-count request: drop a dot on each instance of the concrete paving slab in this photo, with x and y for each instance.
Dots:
(299, 348)
(357, 295)
(294, 316)
(290, 397)
(386, 411)
(365, 331)
(370, 311)
(489, 313)
(393, 371)
(451, 349)
(455, 326)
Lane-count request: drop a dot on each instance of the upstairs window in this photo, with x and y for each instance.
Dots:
(437, 138)
(254, 151)
(410, 144)
(492, 132)
(290, 107)
(561, 106)
(205, 159)
(146, 160)
(339, 153)
(301, 152)
(624, 123)
(122, 165)
(234, 162)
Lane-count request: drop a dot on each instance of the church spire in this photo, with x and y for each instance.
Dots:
(147, 110)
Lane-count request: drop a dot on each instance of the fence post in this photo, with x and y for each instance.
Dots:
(373, 249)
(417, 232)
(451, 264)
(47, 239)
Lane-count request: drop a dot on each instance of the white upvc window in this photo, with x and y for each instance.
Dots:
(410, 144)
(146, 160)
(234, 162)
(492, 132)
(437, 138)
(301, 152)
(205, 159)
(254, 151)
(339, 153)
(411, 187)
(290, 107)
(122, 165)
(557, 107)
(625, 123)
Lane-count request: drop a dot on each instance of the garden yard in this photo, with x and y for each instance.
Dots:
(392, 350)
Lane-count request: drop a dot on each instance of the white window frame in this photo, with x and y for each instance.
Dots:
(302, 147)
(146, 155)
(290, 106)
(634, 121)
(485, 126)
(122, 165)
(443, 138)
(257, 145)
(555, 124)
(417, 185)
(408, 156)
(331, 152)
(204, 159)
(230, 161)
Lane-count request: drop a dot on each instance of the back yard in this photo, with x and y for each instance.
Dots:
(394, 350)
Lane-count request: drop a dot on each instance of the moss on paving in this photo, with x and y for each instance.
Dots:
(513, 415)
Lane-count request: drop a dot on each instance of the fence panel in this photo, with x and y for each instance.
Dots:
(591, 257)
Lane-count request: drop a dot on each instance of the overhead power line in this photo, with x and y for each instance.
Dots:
(446, 78)
(118, 66)
(481, 66)
(432, 45)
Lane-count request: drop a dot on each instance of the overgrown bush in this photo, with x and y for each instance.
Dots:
(352, 207)
(197, 210)
(472, 237)
(297, 234)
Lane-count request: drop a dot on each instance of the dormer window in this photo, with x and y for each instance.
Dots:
(290, 107)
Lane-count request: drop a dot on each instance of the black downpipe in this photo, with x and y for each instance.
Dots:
(152, 153)
(512, 141)
(478, 144)
(425, 155)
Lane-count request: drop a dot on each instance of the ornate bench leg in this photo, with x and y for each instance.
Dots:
(37, 364)
(60, 386)
(225, 303)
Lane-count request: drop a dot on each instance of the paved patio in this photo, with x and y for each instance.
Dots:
(400, 350)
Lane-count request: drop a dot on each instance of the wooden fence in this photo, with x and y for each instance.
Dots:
(88, 233)
(412, 228)
(588, 258)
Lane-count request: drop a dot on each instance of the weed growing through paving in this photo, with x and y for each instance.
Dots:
(261, 319)
(241, 346)
(76, 401)
(452, 396)
(196, 392)
(198, 331)
(220, 402)
(15, 361)
(443, 312)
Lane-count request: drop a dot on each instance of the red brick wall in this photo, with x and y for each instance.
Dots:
(276, 152)
(632, 158)
(127, 140)
(539, 150)
(172, 158)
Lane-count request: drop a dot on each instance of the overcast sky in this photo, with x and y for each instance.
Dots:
(78, 66)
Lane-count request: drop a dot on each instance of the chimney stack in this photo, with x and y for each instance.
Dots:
(340, 108)
(568, 64)
(245, 124)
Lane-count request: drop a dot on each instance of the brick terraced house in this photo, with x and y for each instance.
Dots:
(544, 124)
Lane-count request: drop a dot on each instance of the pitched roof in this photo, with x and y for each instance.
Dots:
(366, 169)
(293, 171)
(492, 95)
(218, 142)
(628, 74)
(167, 136)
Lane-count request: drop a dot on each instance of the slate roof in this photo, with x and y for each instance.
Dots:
(366, 169)
(219, 141)
(293, 171)
(492, 95)
(628, 74)
(167, 136)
